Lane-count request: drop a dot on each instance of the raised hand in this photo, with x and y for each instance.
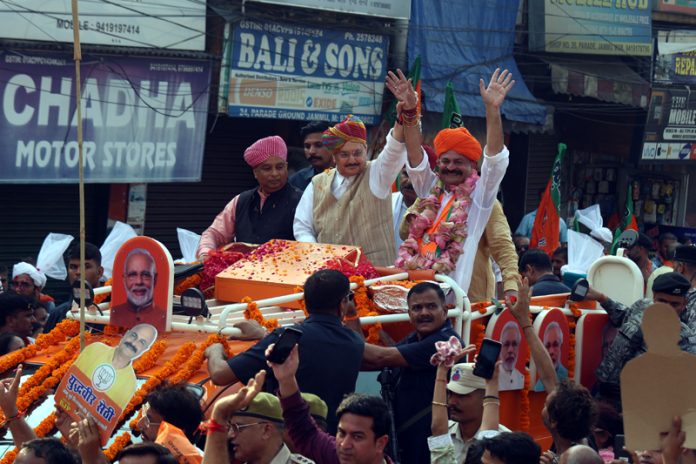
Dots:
(8, 393)
(500, 84)
(521, 308)
(402, 88)
(227, 406)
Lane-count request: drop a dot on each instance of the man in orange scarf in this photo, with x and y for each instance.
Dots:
(455, 204)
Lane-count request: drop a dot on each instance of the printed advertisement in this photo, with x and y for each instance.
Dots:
(386, 8)
(670, 131)
(144, 119)
(604, 27)
(280, 71)
(675, 62)
(174, 24)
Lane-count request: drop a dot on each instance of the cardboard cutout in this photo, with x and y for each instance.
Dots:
(593, 337)
(504, 328)
(552, 327)
(102, 381)
(659, 384)
(143, 285)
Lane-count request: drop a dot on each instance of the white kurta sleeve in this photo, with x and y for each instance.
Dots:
(303, 225)
(387, 166)
(422, 177)
(485, 192)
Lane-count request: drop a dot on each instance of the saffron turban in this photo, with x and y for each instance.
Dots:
(351, 129)
(460, 141)
(263, 149)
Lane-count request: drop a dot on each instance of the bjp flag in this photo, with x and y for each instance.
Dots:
(546, 231)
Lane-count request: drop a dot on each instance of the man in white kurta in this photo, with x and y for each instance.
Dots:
(457, 154)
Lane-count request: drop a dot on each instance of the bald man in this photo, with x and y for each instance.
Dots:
(580, 454)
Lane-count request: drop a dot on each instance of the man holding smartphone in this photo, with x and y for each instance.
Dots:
(412, 405)
(331, 353)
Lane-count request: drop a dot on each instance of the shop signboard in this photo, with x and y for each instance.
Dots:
(676, 6)
(675, 62)
(398, 9)
(604, 27)
(172, 24)
(670, 130)
(144, 118)
(289, 71)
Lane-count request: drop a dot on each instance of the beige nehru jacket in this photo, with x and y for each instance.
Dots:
(358, 218)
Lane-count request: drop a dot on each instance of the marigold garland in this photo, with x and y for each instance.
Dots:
(365, 307)
(148, 360)
(478, 333)
(571, 349)
(191, 281)
(62, 331)
(103, 296)
(119, 443)
(26, 400)
(524, 400)
(301, 302)
(44, 428)
(252, 313)
(133, 424)
(56, 360)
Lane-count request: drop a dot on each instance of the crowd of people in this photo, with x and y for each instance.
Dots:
(445, 217)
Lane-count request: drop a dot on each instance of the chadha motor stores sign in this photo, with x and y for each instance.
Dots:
(282, 71)
(144, 119)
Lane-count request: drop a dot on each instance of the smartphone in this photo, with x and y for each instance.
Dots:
(288, 339)
(619, 451)
(579, 290)
(486, 359)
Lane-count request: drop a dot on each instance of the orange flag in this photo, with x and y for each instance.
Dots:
(546, 231)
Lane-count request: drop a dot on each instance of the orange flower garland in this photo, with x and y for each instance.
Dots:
(252, 313)
(196, 360)
(133, 424)
(65, 329)
(26, 400)
(148, 360)
(571, 349)
(180, 357)
(524, 401)
(119, 443)
(44, 428)
(102, 297)
(44, 371)
(365, 308)
(301, 302)
(193, 280)
(478, 333)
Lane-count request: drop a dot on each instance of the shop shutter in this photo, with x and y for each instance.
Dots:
(30, 212)
(542, 152)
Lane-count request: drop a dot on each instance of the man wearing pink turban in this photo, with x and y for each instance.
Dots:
(446, 223)
(262, 213)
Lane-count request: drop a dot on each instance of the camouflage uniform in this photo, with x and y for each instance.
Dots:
(629, 339)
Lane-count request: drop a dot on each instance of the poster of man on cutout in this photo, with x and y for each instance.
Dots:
(102, 380)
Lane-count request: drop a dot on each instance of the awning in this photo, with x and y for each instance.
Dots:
(463, 43)
(607, 81)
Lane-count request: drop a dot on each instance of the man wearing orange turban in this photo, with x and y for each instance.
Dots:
(454, 205)
(351, 204)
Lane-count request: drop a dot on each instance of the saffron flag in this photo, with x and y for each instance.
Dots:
(547, 224)
(451, 106)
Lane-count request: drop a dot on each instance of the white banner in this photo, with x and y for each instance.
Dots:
(386, 8)
(171, 24)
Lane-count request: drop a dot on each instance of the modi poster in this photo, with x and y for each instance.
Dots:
(143, 285)
(552, 328)
(102, 380)
(514, 352)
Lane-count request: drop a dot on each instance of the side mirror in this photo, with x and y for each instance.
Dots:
(579, 290)
(89, 293)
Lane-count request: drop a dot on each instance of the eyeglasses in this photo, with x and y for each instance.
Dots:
(143, 275)
(18, 284)
(350, 295)
(344, 155)
(236, 428)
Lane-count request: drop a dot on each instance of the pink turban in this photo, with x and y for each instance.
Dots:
(351, 129)
(263, 149)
